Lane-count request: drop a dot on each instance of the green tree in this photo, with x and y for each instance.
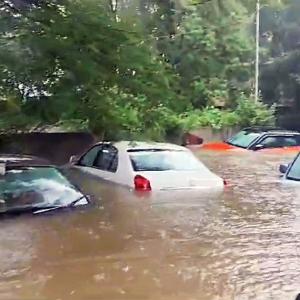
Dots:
(215, 54)
(280, 69)
(102, 65)
(71, 60)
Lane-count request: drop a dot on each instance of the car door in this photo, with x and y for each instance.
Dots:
(106, 163)
(100, 161)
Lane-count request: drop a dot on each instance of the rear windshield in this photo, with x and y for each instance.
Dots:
(294, 172)
(243, 139)
(35, 187)
(164, 160)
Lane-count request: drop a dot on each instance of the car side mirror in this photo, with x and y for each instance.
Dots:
(258, 147)
(73, 159)
(283, 168)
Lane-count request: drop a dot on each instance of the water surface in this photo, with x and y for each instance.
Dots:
(240, 244)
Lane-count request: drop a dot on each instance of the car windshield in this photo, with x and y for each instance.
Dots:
(35, 187)
(294, 172)
(164, 160)
(243, 139)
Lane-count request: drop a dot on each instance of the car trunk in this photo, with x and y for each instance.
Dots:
(172, 179)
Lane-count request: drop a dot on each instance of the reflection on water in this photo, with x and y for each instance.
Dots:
(240, 244)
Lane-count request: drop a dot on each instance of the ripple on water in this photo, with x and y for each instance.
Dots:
(241, 244)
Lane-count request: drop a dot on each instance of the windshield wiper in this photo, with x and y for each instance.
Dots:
(18, 210)
(39, 209)
(49, 208)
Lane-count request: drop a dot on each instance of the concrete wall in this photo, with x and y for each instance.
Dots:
(57, 147)
(214, 135)
(202, 135)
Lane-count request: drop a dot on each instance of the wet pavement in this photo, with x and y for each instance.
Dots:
(240, 244)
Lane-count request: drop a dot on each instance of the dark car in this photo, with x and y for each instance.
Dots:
(259, 138)
(32, 185)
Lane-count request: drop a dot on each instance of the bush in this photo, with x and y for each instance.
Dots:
(247, 113)
(251, 113)
(210, 117)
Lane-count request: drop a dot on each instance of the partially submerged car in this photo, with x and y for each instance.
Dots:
(32, 185)
(259, 138)
(147, 166)
(291, 171)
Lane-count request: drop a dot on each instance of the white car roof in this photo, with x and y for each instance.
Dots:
(137, 145)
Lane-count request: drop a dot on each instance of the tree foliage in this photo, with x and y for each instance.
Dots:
(72, 60)
(280, 38)
(103, 66)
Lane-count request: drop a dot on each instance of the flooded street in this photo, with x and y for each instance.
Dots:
(241, 244)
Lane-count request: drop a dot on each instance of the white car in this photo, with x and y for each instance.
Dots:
(147, 166)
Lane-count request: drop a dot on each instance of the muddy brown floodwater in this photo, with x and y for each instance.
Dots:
(240, 244)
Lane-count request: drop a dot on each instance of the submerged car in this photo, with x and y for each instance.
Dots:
(32, 185)
(259, 138)
(147, 166)
(291, 171)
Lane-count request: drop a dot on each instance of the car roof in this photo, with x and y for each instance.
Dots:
(142, 145)
(273, 130)
(17, 160)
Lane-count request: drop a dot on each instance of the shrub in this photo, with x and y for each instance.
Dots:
(247, 113)
(251, 113)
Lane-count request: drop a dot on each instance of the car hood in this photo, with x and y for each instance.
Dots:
(219, 146)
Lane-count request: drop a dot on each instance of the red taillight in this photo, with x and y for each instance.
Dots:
(141, 183)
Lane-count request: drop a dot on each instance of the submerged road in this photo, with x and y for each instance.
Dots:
(241, 244)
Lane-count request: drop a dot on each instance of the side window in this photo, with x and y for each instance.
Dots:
(107, 159)
(280, 141)
(88, 159)
(289, 141)
(272, 142)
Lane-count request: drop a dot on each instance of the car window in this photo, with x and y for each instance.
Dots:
(294, 172)
(164, 160)
(35, 187)
(107, 159)
(280, 141)
(88, 159)
(272, 142)
(291, 141)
